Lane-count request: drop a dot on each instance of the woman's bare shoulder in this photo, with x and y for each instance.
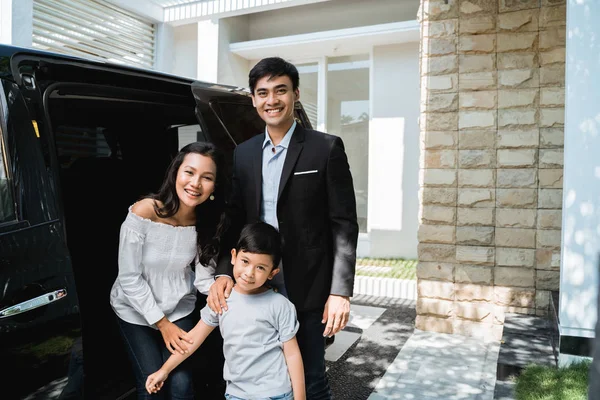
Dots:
(145, 208)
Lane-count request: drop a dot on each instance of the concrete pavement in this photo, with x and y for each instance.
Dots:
(380, 356)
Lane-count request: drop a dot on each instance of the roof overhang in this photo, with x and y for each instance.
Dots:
(195, 11)
(339, 42)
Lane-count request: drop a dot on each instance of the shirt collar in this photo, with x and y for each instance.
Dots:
(285, 142)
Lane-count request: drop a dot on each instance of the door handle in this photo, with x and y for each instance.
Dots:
(34, 303)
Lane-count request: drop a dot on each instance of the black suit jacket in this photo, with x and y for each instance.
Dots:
(316, 213)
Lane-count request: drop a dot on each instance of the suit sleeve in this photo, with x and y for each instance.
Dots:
(236, 217)
(343, 221)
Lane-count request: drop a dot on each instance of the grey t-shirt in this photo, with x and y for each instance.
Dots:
(254, 329)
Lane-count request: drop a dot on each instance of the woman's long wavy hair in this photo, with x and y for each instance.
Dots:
(211, 220)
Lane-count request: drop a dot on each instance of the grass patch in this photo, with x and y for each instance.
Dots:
(397, 268)
(537, 382)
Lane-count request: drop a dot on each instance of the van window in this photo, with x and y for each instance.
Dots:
(187, 134)
(73, 143)
(241, 120)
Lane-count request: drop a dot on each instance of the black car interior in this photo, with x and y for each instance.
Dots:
(113, 146)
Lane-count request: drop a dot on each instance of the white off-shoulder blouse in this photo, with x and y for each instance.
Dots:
(155, 276)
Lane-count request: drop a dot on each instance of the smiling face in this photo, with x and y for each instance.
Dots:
(251, 271)
(274, 100)
(195, 179)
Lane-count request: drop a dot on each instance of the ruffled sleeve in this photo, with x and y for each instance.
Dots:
(134, 286)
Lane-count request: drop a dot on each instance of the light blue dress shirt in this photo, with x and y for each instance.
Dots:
(272, 167)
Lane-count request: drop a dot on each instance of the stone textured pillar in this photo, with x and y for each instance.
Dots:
(492, 114)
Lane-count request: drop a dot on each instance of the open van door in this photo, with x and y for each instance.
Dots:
(40, 335)
(73, 134)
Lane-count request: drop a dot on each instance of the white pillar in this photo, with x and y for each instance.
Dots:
(322, 97)
(164, 55)
(581, 195)
(208, 51)
(16, 22)
(232, 69)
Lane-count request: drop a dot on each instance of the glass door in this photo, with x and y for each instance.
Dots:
(348, 117)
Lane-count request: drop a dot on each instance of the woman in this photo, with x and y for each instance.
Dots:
(164, 238)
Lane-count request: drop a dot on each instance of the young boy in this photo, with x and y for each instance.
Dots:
(262, 358)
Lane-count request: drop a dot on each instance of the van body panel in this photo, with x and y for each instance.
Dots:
(39, 315)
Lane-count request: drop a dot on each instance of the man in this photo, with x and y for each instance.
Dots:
(299, 181)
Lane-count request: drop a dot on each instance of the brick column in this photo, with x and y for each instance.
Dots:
(492, 98)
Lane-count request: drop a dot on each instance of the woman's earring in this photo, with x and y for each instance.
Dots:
(212, 197)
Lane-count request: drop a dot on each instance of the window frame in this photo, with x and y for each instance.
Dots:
(5, 161)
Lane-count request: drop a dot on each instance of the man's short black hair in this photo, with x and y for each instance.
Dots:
(260, 238)
(272, 67)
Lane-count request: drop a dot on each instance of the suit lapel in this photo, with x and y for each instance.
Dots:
(257, 171)
(296, 145)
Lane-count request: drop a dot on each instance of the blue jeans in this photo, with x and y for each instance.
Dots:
(312, 347)
(287, 396)
(147, 352)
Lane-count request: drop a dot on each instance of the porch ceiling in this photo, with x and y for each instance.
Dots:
(180, 12)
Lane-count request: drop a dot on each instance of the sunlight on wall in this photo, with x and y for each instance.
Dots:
(581, 218)
(386, 141)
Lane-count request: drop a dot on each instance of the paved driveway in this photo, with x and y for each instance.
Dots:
(363, 352)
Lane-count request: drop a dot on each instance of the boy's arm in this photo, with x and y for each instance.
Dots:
(293, 359)
(198, 335)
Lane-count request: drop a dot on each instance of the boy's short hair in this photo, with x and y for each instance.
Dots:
(272, 67)
(261, 238)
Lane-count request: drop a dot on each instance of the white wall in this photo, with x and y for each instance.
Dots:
(16, 22)
(336, 14)
(233, 69)
(5, 21)
(581, 183)
(185, 50)
(394, 151)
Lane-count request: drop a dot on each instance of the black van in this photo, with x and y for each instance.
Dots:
(80, 141)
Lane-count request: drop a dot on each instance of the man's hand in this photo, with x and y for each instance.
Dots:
(174, 336)
(335, 314)
(218, 292)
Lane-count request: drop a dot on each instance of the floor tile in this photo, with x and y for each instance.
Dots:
(363, 316)
(343, 341)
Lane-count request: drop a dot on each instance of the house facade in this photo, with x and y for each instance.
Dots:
(358, 63)
(466, 148)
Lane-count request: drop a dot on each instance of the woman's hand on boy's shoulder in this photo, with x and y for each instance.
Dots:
(219, 293)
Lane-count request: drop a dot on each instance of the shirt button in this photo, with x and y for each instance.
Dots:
(273, 149)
